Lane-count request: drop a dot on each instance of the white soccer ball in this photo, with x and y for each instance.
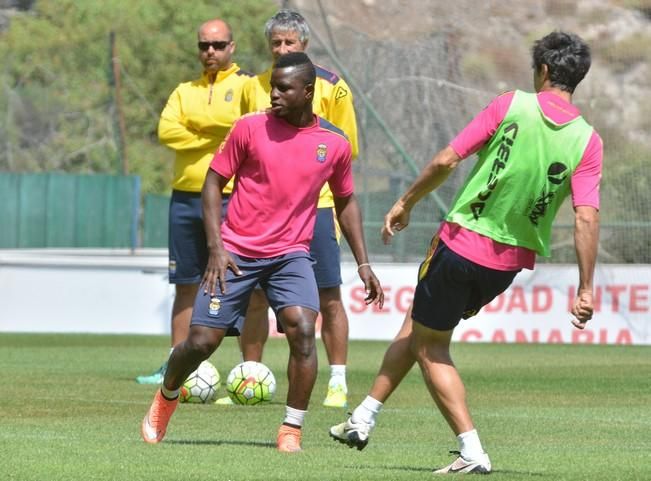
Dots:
(250, 383)
(201, 386)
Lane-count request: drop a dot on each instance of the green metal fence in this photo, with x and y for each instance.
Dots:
(68, 210)
(155, 220)
(65, 210)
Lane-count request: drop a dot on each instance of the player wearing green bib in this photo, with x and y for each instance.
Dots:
(515, 202)
(534, 150)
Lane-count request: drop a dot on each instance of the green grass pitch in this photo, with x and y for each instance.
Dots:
(70, 410)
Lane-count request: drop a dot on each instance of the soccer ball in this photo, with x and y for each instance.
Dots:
(201, 386)
(251, 382)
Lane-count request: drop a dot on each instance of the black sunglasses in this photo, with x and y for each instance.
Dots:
(219, 45)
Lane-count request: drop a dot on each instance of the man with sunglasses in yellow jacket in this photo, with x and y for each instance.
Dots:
(195, 121)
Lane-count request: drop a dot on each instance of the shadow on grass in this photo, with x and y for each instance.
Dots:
(412, 469)
(430, 469)
(524, 473)
(218, 442)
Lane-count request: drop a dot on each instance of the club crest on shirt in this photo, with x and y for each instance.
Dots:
(213, 307)
(321, 152)
(229, 95)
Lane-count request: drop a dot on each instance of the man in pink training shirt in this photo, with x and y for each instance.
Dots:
(534, 150)
(280, 160)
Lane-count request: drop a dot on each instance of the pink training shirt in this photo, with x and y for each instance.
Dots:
(279, 170)
(584, 183)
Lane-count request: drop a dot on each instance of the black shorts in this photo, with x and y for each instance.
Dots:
(451, 287)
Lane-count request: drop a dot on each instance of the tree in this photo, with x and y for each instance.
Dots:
(55, 81)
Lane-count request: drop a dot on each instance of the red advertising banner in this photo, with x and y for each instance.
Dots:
(535, 309)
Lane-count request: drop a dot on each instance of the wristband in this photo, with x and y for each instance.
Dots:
(362, 265)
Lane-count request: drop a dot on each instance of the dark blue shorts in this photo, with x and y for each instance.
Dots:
(324, 249)
(188, 253)
(287, 280)
(450, 287)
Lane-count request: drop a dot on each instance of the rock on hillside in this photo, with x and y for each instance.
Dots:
(489, 43)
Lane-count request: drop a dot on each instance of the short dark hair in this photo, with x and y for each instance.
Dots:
(567, 57)
(298, 59)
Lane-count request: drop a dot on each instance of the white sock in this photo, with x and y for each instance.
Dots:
(294, 417)
(470, 445)
(367, 411)
(338, 376)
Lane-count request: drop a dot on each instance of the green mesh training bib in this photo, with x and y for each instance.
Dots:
(522, 176)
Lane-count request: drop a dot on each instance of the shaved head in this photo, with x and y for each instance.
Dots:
(214, 27)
